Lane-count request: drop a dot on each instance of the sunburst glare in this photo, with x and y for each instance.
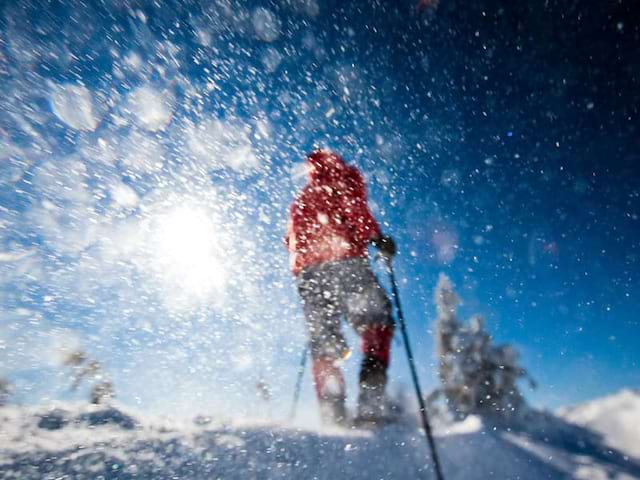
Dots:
(188, 251)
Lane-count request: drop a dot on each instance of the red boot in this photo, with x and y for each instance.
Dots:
(331, 391)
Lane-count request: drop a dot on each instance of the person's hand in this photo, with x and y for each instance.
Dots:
(386, 245)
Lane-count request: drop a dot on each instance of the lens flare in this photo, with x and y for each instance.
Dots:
(188, 250)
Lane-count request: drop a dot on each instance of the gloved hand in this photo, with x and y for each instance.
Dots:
(386, 245)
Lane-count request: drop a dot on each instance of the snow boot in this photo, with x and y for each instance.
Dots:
(371, 400)
(376, 348)
(330, 390)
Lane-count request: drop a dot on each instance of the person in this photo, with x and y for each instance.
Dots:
(329, 230)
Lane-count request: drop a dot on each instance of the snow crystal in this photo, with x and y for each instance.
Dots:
(241, 158)
(151, 108)
(221, 144)
(203, 37)
(425, 63)
(67, 230)
(142, 153)
(445, 243)
(133, 61)
(271, 59)
(124, 196)
(263, 129)
(14, 162)
(73, 104)
(313, 44)
(450, 178)
(306, 7)
(265, 24)
(323, 218)
(97, 150)
(63, 181)
(65, 217)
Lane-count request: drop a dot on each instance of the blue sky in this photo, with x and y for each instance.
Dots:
(149, 154)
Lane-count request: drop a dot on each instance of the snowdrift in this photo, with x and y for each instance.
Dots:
(81, 442)
(616, 417)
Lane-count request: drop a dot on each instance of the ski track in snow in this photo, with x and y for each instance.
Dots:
(108, 443)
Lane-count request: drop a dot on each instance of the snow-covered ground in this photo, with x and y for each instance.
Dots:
(616, 417)
(82, 442)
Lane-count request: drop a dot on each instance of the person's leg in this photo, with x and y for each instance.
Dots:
(330, 390)
(376, 346)
(369, 312)
(328, 346)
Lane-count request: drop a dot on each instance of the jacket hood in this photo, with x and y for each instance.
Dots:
(326, 167)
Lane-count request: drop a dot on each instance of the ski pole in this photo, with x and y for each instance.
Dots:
(414, 375)
(298, 387)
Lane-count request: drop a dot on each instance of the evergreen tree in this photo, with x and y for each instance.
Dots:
(5, 391)
(90, 370)
(477, 377)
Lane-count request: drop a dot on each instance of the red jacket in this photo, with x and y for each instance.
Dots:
(330, 219)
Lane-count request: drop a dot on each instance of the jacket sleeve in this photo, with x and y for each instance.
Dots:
(292, 223)
(299, 223)
(359, 216)
(287, 238)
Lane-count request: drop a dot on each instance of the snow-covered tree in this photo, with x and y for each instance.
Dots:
(263, 392)
(90, 370)
(5, 391)
(477, 377)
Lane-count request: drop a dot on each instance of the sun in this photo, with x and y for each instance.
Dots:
(189, 250)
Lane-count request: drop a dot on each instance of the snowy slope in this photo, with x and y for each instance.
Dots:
(616, 417)
(87, 443)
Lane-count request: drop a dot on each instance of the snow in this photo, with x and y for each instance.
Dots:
(66, 230)
(221, 144)
(306, 7)
(142, 153)
(471, 424)
(86, 442)
(271, 59)
(152, 108)
(63, 180)
(15, 256)
(148, 156)
(73, 104)
(615, 417)
(12, 161)
(265, 24)
(445, 243)
(124, 196)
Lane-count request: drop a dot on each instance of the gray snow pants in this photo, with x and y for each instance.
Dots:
(333, 290)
